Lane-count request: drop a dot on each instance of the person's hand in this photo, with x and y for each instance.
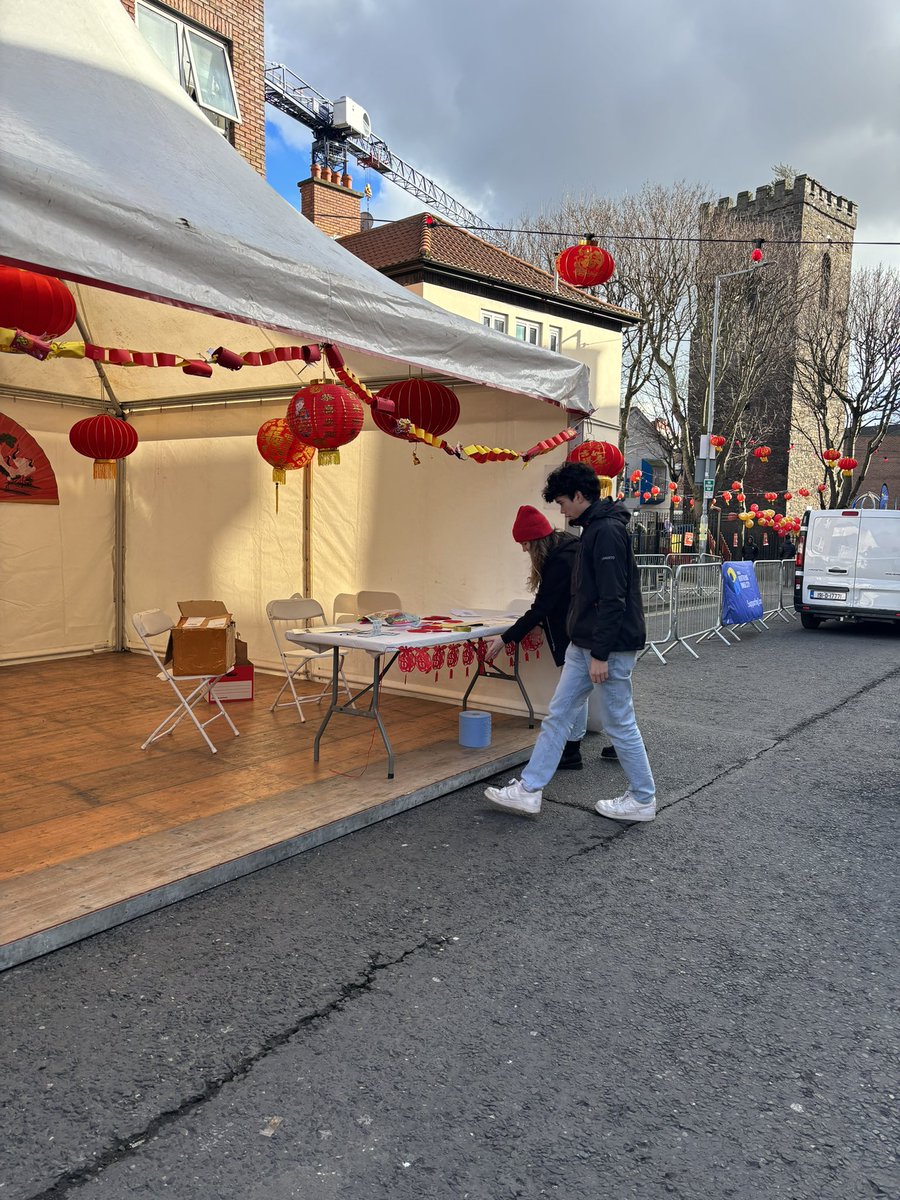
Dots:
(599, 670)
(494, 646)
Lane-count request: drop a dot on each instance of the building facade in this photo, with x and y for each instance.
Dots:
(819, 224)
(214, 48)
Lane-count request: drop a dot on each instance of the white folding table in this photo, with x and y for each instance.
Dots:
(387, 646)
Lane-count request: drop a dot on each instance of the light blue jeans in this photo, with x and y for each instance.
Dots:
(617, 715)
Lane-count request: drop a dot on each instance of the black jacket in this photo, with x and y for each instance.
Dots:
(606, 612)
(551, 601)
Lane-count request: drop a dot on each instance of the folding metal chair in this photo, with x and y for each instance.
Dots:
(150, 624)
(290, 614)
(370, 602)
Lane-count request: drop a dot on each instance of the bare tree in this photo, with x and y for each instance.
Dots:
(665, 265)
(848, 376)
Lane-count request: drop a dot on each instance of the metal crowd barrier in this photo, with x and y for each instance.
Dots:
(770, 576)
(786, 609)
(657, 593)
(697, 607)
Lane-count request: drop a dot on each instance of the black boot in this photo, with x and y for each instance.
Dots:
(571, 757)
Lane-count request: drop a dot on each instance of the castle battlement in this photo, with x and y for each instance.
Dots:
(772, 198)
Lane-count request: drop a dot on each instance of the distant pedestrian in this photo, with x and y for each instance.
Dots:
(751, 551)
(788, 549)
(552, 553)
(606, 630)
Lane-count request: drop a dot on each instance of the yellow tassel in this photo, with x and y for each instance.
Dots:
(279, 474)
(329, 457)
(104, 468)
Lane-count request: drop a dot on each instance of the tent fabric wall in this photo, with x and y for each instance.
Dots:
(56, 583)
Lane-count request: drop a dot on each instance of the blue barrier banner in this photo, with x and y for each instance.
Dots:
(741, 601)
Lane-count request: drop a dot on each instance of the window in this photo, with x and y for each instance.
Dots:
(199, 61)
(494, 320)
(825, 282)
(528, 331)
(554, 334)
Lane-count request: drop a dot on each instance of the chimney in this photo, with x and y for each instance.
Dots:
(333, 207)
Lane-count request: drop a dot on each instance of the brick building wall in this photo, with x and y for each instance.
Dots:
(240, 23)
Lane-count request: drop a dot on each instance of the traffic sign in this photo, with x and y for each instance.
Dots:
(709, 486)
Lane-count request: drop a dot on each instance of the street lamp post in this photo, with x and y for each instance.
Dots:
(709, 464)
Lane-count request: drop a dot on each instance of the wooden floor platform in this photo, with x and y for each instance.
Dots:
(95, 831)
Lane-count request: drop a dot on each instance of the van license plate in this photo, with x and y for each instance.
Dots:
(816, 594)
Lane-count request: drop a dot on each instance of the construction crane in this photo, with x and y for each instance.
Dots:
(342, 127)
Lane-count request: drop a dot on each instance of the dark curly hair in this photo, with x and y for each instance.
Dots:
(570, 478)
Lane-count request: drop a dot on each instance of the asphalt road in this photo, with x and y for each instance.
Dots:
(461, 1004)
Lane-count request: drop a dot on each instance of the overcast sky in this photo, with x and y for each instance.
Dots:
(510, 104)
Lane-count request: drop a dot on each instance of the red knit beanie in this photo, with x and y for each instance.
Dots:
(530, 525)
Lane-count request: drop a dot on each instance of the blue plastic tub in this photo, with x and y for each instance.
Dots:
(475, 729)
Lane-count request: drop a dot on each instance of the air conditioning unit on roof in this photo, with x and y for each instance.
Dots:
(350, 115)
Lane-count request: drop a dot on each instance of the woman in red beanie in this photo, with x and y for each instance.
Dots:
(552, 555)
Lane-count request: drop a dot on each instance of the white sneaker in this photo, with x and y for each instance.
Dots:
(626, 808)
(515, 797)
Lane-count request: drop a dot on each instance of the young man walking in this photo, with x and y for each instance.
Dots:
(606, 630)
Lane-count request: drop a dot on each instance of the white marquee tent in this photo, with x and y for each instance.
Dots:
(114, 181)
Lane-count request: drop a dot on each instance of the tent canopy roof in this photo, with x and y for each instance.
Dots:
(115, 180)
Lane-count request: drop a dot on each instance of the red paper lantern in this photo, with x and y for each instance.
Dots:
(716, 441)
(635, 477)
(820, 487)
(788, 495)
(762, 453)
(429, 406)
(803, 491)
(847, 466)
(770, 496)
(830, 457)
(37, 304)
(282, 451)
(104, 439)
(726, 496)
(602, 457)
(327, 416)
(585, 265)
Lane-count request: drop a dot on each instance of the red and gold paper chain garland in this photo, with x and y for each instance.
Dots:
(16, 341)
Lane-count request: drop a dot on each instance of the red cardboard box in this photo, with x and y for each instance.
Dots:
(236, 685)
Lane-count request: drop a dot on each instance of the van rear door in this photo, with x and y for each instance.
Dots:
(829, 563)
(878, 562)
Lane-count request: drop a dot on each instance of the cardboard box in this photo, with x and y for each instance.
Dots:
(236, 685)
(203, 641)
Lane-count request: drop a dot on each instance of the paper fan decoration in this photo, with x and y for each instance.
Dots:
(26, 476)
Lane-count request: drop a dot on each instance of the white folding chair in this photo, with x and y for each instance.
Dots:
(371, 602)
(150, 624)
(290, 614)
(344, 608)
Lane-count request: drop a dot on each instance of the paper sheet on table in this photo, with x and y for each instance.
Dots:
(214, 622)
(192, 622)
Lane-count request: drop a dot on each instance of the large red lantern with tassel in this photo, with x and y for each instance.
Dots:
(847, 466)
(38, 304)
(762, 453)
(282, 451)
(105, 439)
(428, 405)
(602, 457)
(327, 416)
(585, 265)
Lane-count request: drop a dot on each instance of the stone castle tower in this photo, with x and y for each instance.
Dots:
(824, 224)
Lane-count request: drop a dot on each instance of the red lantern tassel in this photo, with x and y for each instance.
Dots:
(104, 468)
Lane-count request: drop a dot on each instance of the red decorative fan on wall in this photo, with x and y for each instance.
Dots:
(26, 476)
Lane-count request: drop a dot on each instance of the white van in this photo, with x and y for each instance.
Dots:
(848, 566)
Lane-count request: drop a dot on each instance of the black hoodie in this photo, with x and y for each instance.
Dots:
(606, 613)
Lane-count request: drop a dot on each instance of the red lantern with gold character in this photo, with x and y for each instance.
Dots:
(830, 457)
(327, 416)
(585, 265)
(38, 304)
(602, 457)
(429, 406)
(282, 451)
(762, 453)
(847, 466)
(105, 439)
